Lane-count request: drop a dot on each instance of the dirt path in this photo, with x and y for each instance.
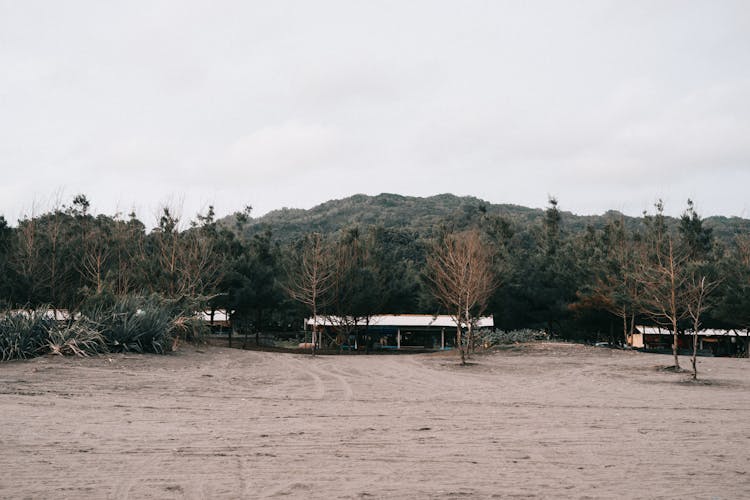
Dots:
(544, 421)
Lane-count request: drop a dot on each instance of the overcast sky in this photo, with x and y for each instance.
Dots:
(606, 105)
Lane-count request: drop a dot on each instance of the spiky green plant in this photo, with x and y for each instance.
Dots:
(79, 338)
(136, 324)
(23, 334)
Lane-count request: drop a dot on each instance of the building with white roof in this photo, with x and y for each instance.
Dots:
(718, 342)
(398, 331)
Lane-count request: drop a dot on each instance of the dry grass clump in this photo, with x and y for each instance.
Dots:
(79, 338)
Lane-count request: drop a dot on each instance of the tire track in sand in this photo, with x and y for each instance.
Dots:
(299, 365)
(329, 371)
(123, 487)
(328, 381)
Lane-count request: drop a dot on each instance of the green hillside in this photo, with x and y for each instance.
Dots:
(422, 215)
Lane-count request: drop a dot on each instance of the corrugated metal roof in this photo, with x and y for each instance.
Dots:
(219, 315)
(708, 332)
(405, 320)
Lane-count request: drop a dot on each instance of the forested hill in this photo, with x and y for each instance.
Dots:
(422, 215)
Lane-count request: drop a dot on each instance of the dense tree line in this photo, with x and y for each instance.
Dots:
(592, 282)
(70, 259)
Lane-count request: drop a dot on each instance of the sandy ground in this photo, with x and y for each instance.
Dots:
(537, 421)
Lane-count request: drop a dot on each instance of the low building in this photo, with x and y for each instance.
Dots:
(397, 331)
(714, 342)
(217, 320)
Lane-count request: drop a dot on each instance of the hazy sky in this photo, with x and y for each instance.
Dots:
(276, 103)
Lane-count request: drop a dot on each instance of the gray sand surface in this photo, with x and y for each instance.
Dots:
(537, 421)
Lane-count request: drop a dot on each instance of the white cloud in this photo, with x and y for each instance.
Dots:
(282, 151)
(292, 103)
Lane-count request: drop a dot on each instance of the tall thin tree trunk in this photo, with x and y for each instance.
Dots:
(696, 327)
(314, 329)
(674, 345)
(460, 344)
(469, 335)
(673, 304)
(693, 360)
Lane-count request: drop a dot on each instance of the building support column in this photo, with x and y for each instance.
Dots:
(442, 339)
(398, 339)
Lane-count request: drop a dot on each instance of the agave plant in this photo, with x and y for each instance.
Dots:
(23, 334)
(80, 338)
(136, 324)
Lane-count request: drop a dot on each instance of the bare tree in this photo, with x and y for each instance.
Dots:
(697, 293)
(188, 261)
(309, 278)
(28, 256)
(55, 237)
(460, 269)
(198, 265)
(663, 274)
(94, 262)
(166, 238)
(95, 252)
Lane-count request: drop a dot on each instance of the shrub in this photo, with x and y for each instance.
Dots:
(145, 324)
(189, 328)
(137, 324)
(491, 338)
(119, 324)
(23, 334)
(79, 338)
